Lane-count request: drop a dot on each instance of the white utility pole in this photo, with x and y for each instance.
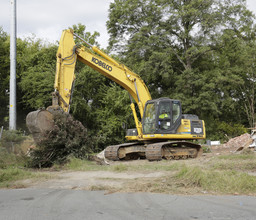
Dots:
(12, 106)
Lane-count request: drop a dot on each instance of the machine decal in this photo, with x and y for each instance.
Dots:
(102, 64)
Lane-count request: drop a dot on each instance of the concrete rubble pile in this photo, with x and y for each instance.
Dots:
(239, 143)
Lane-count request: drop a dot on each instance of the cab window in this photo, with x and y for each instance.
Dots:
(149, 119)
(175, 111)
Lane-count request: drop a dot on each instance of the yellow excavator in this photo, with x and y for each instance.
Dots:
(162, 132)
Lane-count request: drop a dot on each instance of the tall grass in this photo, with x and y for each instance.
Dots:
(239, 162)
(13, 168)
(225, 181)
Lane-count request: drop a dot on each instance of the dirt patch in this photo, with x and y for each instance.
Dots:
(89, 180)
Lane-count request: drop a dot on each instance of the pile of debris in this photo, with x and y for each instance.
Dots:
(239, 143)
(233, 145)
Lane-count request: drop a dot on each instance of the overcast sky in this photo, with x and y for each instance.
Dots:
(47, 18)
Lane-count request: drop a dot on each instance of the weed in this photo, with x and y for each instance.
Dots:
(206, 149)
(120, 168)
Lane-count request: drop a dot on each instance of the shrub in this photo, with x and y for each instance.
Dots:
(68, 137)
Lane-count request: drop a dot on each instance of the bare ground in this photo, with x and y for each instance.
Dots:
(91, 179)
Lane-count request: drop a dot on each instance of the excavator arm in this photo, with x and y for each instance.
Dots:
(67, 55)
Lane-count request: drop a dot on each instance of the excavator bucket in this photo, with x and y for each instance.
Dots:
(39, 122)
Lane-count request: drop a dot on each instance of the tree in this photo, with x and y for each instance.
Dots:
(113, 114)
(4, 75)
(37, 76)
(175, 45)
(237, 64)
(187, 27)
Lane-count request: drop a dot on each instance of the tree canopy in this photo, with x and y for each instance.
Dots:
(194, 50)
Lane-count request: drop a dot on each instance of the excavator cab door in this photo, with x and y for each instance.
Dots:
(162, 116)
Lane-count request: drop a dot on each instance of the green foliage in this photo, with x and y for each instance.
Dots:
(206, 149)
(224, 131)
(4, 75)
(12, 136)
(6, 159)
(120, 168)
(10, 175)
(112, 114)
(103, 107)
(200, 52)
(80, 30)
(38, 75)
(12, 168)
(82, 165)
(245, 162)
(231, 130)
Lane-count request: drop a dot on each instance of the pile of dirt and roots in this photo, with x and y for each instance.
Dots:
(68, 137)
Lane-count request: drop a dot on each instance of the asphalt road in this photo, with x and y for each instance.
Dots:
(76, 204)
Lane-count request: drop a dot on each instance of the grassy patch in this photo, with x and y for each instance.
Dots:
(12, 169)
(216, 181)
(238, 162)
(120, 168)
(83, 165)
(238, 157)
(9, 176)
(193, 180)
(109, 189)
(10, 159)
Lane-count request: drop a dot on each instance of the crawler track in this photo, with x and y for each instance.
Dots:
(153, 152)
(173, 150)
(126, 151)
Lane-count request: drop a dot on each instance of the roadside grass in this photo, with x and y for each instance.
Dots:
(10, 159)
(238, 162)
(226, 174)
(195, 180)
(85, 165)
(13, 168)
(10, 176)
(225, 181)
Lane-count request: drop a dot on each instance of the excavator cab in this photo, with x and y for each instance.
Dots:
(162, 116)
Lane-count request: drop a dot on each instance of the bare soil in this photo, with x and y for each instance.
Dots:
(95, 180)
(112, 181)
